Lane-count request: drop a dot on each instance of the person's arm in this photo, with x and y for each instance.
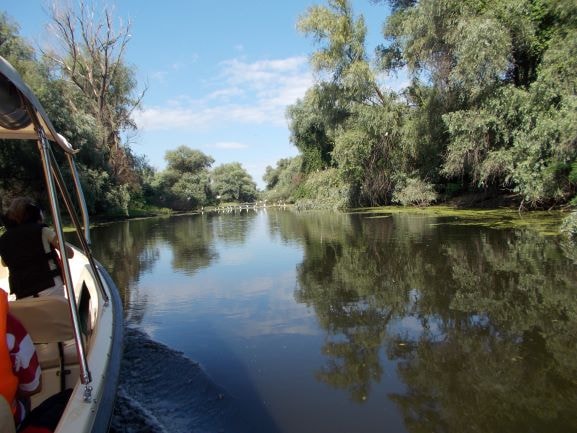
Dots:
(69, 251)
(24, 359)
(53, 239)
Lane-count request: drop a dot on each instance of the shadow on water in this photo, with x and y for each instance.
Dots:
(161, 390)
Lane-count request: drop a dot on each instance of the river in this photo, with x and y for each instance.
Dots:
(274, 321)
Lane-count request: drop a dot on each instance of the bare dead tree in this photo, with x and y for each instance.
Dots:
(89, 54)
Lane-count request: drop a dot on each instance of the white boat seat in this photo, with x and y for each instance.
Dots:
(49, 354)
(47, 318)
(48, 321)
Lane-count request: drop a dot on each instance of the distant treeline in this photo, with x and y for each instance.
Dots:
(90, 94)
(490, 108)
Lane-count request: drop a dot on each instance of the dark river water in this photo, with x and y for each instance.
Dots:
(275, 321)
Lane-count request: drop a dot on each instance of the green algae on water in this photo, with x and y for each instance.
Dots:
(547, 223)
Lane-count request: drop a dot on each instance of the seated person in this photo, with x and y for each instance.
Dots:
(29, 249)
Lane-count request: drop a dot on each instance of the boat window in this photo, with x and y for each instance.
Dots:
(84, 311)
(13, 113)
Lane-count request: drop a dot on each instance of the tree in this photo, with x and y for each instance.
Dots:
(342, 52)
(185, 183)
(346, 122)
(368, 152)
(490, 118)
(313, 120)
(521, 137)
(17, 51)
(90, 59)
(272, 175)
(187, 160)
(231, 182)
(284, 180)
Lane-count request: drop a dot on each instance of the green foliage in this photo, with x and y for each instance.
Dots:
(491, 105)
(89, 57)
(368, 151)
(573, 174)
(98, 189)
(317, 120)
(271, 175)
(312, 123)
(191, 190)
(482, 50)
(569, 226)
(423, 133)
(107, 173)
(19, 163)
(231, 182)
(323, 190)
(414, 191)
(185, 184)
(118, 200)
(93, 114)
(184, 160)
(511, 79)
(287, 177)
(17, 51)
(342, 40)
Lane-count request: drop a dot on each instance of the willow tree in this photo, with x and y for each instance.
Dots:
(347, 118)
(342, 53)
(313, 121)
(506, 123)
(90, 57)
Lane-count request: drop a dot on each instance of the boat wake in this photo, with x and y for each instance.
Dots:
(161, 391)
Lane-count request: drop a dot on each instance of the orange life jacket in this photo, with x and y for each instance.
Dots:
(8, 381)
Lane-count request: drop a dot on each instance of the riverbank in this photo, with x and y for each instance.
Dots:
(487, 209)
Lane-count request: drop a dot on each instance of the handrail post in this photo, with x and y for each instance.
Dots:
(80, 197)
(81, 238)
(43, 147)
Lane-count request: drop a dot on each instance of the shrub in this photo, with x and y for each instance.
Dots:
(569, 226)
(414, 191)
(323, 190)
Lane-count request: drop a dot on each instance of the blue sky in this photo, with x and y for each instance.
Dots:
(219, 74)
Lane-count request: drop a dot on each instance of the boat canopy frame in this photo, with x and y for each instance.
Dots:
(22, 117)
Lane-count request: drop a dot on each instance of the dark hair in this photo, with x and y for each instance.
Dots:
(33, 213)
(7, 221)
(22, 210)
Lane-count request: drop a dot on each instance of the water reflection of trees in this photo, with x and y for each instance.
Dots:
(497, 314)
(191, 240)
(233, 229)
(124, 249)
(128, 249)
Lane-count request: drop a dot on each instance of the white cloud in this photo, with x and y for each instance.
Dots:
(226, 93)
(247, 93)
(229, 145)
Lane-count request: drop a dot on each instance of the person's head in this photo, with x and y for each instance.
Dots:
(34, 214)
(23, 210)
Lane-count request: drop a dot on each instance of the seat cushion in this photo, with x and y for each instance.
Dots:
(47, 319)
(49, 355)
